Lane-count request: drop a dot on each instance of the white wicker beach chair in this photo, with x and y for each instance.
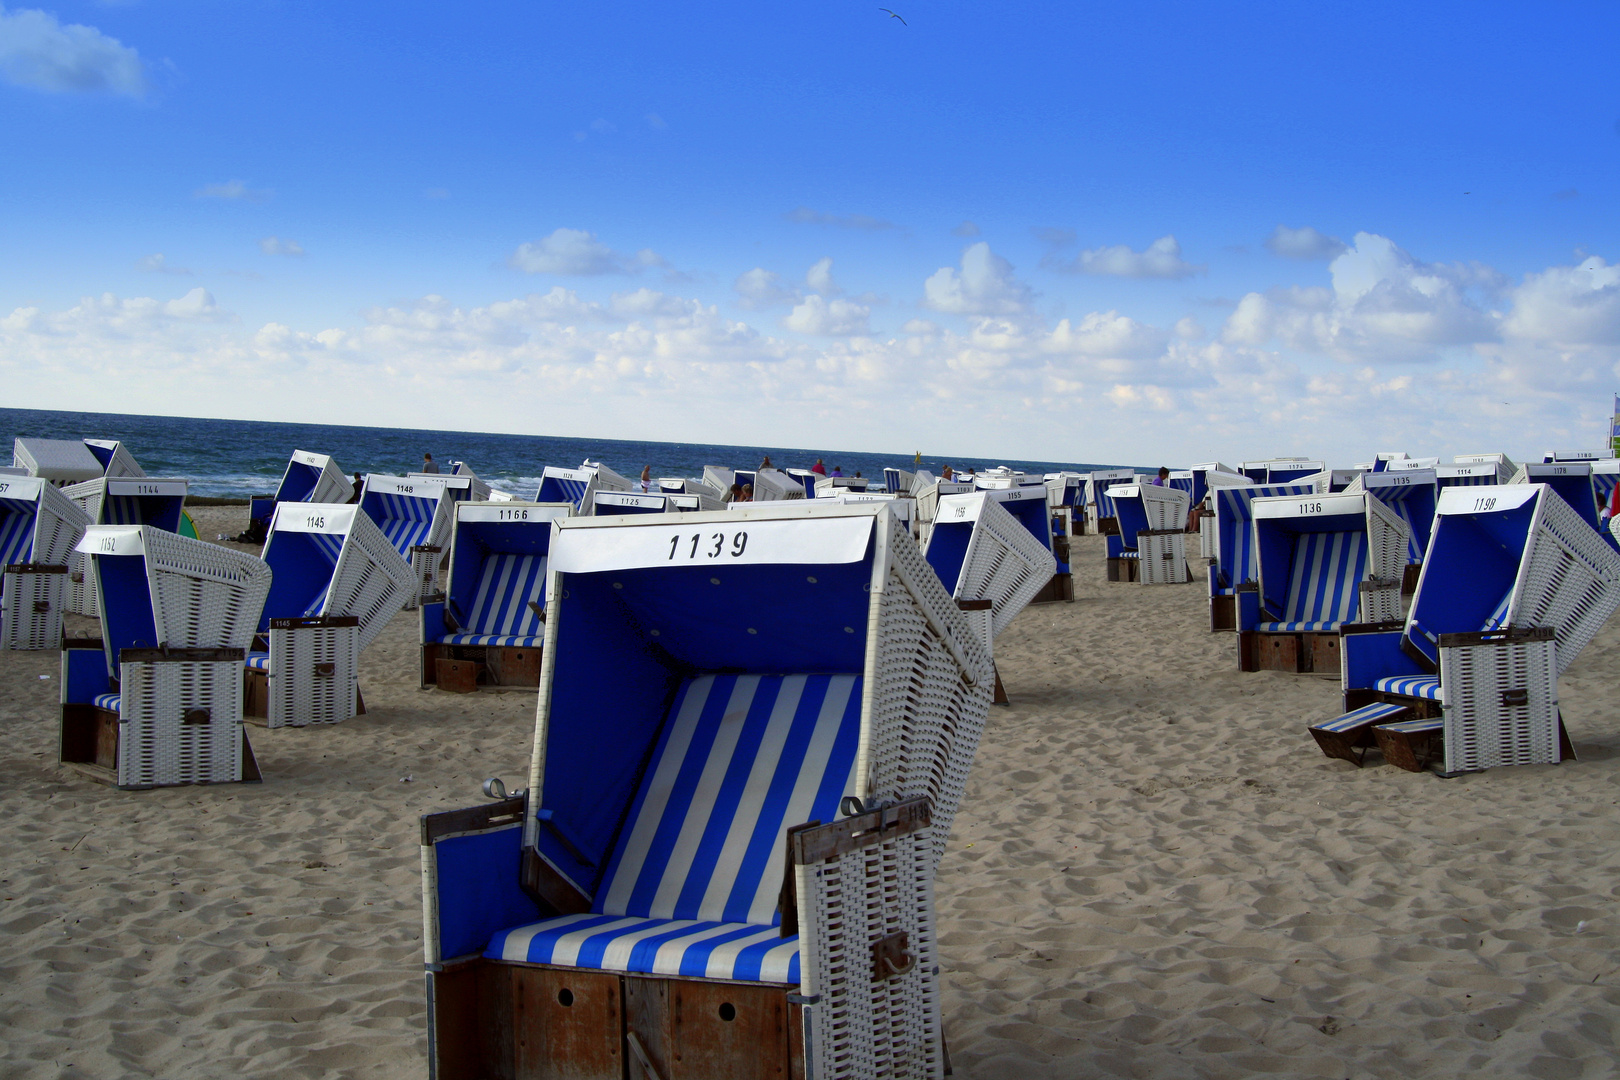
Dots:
(489, 627)
(747, 760)
(1515, 586)
(61, 461)
(1324, 561)
(115, 458)
(622, 503)
(1099, 506)
(1573, 482)
(774, 485)
(39, 527)
(313, 478)
(1235, 572)
(416, 514)
(898, 481)
(1411, 494)
(338, 580)
(984, 554)
(155, 501)
(706, 495)
(158, 700)
(1152, 533)
(478, 490)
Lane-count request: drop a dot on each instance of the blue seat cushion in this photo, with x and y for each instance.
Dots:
(1306, 625)
(1359, 718)
(691, 947)
(1418, 686)
(510, 640)
(258, 661)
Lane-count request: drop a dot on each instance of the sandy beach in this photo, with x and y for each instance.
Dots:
(1155, 874)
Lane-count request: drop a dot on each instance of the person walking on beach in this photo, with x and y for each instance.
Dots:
(429, 465)
(646, 478)
(818, 468)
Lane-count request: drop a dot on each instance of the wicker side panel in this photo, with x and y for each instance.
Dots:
(1571, 581)
(424, 578)
(203, 595)
(1482, 731)
(156, 747)
(332, 487)
(865, 1028)
(301, 691)
(1005, 564)
(1389, 540)
(1163, 559)
(22, 626)
(59, 524)
(925, 718)
(83, 595)
(372, 581)
(1206, 537)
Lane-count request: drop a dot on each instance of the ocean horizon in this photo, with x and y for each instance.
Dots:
(239, 458)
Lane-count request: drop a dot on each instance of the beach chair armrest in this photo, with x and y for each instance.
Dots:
(471, 886)
(1367, 655)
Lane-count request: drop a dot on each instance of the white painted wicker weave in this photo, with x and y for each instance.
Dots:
(122, 463)
(1206, 536)
(1388, 539)
(1569, 579)
(774, 485)
(60, 461)
(1162, 558)
(371, 580)
(1482, 730)
(301, 691)
(1004, 563)
(91, 496)
(31, 606)
(1166, 506)
(59, 523)
(156, 746)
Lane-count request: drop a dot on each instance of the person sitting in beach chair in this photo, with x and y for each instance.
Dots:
(753, 733)
(337, 583)
(489, 627)
(1513, 588)
(158, 700)
(39, 527)
(1324, 560)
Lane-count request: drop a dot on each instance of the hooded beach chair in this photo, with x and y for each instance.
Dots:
(1573, 482)
(928, 503)
(477, 489)
(904, 509)
(1411, 494)
(1501, 463)
(338, 580)
(156, 501)
(1152, 543)
(1207, 478)
(416, 514)
(1099, 505)
(115, 458)
(1234, 570)
(898, 481)
(39, 527)
(158, 700)
(621, 503)
(1514, 587)
(1323, 560)
(774, 485)
(1587, 456)
(490, 625)
(692, 494)
(754, 730)
(60, 461)
(309, 477)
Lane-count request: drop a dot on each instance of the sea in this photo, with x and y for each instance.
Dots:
(238, 458)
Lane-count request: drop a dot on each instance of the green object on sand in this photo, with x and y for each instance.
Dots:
(187, 526)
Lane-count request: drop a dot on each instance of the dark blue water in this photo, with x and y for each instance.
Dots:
(244, 457)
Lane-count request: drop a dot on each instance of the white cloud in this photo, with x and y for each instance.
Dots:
(1161, 259)
(157, 264)
(647, 303)
(275, 245)
(577, 253)
(233, 190)
(1568, 305)
(39, 52)
(819, 277)
(1304, 243)
(761, 288)
(985, 286)
(822, 317)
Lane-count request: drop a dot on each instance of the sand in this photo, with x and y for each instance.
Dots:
(1155, 874)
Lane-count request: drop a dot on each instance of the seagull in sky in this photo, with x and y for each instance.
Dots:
(892, 15)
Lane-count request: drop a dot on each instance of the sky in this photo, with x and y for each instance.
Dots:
(1063, 231)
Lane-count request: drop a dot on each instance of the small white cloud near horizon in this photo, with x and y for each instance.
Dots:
(762, 288)
(1160, 259)
(819, 277)
(157, 264)
(1303, 243)
(578, 253)
(233, 190)
(985, 286)
(275, 245)
(38, 52)
(828, 318)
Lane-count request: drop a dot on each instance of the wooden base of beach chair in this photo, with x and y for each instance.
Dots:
(1060, 590)
(1411, 745)
(513, 667)
(1123, 570)
(492, 666)
(1222, 613)
(88, 745)
(497, 1019)
(457, 676)
(1001, 692)
(1409, 579)
(1298, 654)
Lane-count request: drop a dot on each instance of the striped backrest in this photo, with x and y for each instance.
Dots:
(16, 530)
(562, 489)
(406, 520)
(741, 759)
(1325, 576)
(506, 585)
(1234, 530)
(1419, 524)
(331, 546)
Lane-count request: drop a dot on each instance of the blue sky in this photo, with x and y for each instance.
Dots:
(1065, 231)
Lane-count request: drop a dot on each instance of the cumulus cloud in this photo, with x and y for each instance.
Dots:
(1303, 243)
(39, 52)
(984, 286)
(236, 190)
(761, 288)
(1161, 259)
(157, 264)
(820, 316)
(577, 253)
(819, 277)
(1568, 306)
(805, 216)
(275, 245)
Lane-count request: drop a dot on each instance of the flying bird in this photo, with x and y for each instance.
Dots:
(892, 15)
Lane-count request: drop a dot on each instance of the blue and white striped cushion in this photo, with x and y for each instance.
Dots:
(16, 531)
(1413, 727)
(1324, 580)
(406, 520)
(1367, 714)
(693, 882)
(511, 641)
(1234, 529)
(258, 661)
(122, 510)
(106, 701)
(500, 607)
(1297, 627)
(557, 489)
(1418, 686)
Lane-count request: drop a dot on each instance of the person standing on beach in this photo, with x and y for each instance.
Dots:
(766, 464)
(945, 473)
(646, 478)
(358, 484)
(818, 468)
(429, 465)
